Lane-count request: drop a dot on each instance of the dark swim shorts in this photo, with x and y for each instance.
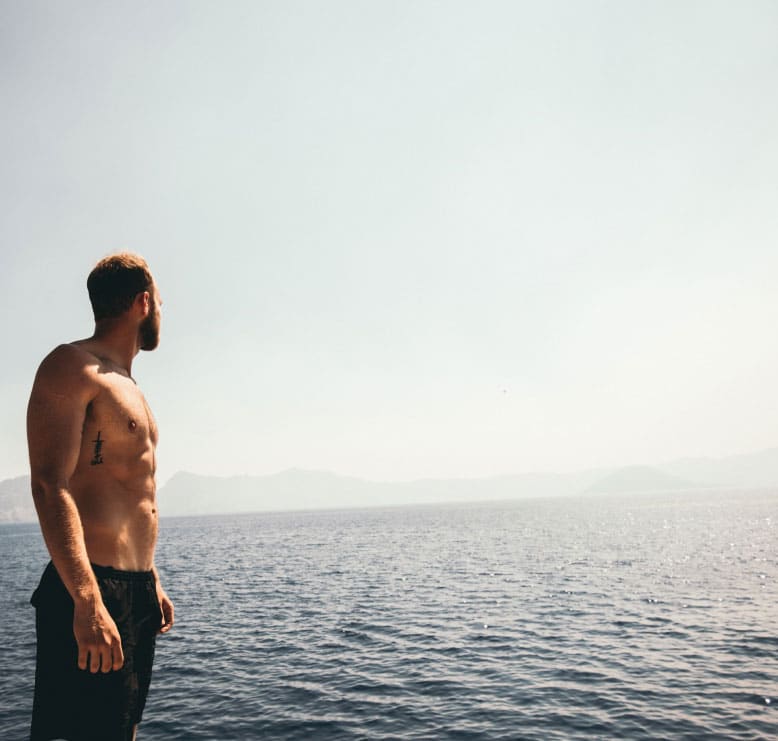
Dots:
(72, 703)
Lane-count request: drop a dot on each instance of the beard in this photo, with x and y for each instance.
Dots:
(149, 330)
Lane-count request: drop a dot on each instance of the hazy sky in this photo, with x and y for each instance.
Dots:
(405, 239)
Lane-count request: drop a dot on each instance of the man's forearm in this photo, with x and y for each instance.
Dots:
(156, 577)
(165, 605)
(97, 637)
(64, 537)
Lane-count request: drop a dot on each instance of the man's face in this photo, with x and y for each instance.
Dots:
(149, 328)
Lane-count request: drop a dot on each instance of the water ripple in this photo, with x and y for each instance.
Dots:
(550, 619)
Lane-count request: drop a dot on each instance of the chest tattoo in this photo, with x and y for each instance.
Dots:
(97, 459)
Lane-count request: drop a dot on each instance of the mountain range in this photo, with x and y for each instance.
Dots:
(193, 494)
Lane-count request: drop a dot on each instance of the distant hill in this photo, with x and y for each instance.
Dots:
(632, 479)
(192, 494)
(750, 471)
(16, 500)
(187, 493)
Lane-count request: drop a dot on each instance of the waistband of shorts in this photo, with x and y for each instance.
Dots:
(109, 572)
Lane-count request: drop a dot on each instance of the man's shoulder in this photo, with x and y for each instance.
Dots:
(70, 355)
(68, 366)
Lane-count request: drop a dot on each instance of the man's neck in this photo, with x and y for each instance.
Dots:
(118, 343)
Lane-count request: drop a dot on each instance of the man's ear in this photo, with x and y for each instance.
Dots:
(142, 303)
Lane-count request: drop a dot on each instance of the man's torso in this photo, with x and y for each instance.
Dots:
(113, 483)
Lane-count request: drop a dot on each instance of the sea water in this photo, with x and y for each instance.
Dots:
(633, 617)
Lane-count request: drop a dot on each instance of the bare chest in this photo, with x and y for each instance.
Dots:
(119, 415)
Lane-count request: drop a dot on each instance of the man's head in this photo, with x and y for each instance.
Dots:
(114, 286)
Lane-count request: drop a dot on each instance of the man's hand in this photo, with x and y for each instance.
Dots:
(167, 610)
(98, 639)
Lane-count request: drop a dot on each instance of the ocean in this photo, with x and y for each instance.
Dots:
(643, 616)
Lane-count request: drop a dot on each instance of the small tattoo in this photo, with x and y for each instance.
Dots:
(98, 456)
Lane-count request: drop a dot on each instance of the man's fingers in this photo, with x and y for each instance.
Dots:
(167, 620)
(106, 660)
(118, 655)
(103, 659)
(98, 639)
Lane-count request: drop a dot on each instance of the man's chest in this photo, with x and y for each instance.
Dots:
(121, 409)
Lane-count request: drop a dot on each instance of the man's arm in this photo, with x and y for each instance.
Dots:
(165, 605)
(62, 391)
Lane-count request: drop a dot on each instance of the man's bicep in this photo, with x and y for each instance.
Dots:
(55, 420)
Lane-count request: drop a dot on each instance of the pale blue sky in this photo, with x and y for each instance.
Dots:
(405, 239)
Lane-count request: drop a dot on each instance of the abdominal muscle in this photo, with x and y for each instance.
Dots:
(119, 523)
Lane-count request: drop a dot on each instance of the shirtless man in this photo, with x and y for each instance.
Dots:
(92, 443)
